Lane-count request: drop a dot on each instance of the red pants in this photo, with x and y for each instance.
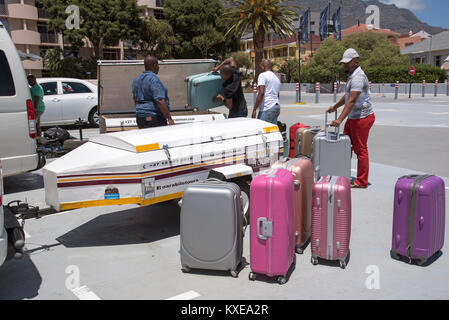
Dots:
(358, 130)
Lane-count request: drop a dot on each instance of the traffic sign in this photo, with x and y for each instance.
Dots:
(412, 71)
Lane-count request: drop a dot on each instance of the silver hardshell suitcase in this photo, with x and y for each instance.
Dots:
(331, 153)
(212, 227)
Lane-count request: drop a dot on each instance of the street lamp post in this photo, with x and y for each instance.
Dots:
(299, 64)
(430, 50)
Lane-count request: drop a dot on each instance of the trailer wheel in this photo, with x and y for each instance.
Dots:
(244, 188)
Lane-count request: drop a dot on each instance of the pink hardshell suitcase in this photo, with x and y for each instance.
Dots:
(272, 224)
(331, 219)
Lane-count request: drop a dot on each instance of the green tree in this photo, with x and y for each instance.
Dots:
(70, 67)
(208, 37)
(155, 38)
(194, 19)
(375, 51)
(260, 17)
(103, 22)
(290, 69)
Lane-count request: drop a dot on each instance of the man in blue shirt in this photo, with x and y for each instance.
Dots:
(151, 97)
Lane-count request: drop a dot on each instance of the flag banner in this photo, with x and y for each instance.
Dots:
(304, 27)
(336, 18)
(324, 16)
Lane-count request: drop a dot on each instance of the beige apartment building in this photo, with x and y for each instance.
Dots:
(27, 23)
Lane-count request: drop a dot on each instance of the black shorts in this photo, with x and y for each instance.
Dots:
(144, 122)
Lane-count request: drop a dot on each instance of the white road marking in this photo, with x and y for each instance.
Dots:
(84, 293)
(27, 236)
(354, 170)
(185, 296)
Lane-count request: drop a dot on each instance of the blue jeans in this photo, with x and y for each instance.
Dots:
(271, 115)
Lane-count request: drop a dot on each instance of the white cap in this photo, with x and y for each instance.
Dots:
(349, 55)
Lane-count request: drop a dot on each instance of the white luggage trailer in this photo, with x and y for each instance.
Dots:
(157, 164)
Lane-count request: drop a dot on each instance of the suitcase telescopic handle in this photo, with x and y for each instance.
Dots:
(327, 126)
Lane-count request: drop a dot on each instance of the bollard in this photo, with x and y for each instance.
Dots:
(255, 92)
(383, 89)
(317, 89)
(297, 92)
(436, 88)
(335, 92)
(370, 86)
(447, 87)
(423, 88)
(396, 92)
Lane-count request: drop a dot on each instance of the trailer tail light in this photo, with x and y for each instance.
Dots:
(31, 119)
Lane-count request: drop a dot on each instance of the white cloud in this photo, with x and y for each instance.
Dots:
(414, 5)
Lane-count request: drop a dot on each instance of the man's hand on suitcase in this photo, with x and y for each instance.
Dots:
(336, 123)
(332, 109)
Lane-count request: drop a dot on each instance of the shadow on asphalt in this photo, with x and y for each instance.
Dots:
(134, 226)
(19, 279)
(216, 273)
(23, 182)
(428, 263)
(272, 280)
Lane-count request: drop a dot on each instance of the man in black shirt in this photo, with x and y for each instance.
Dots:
(233, 98)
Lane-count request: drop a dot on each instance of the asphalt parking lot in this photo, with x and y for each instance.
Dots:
(130, 252)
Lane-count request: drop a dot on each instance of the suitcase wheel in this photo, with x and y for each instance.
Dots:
(421, 262)
(186, 269)
(395, 255)
(252, 276)
(299, 250)
(314, 261)
(342, 264)
(282, 280)
(234, 274)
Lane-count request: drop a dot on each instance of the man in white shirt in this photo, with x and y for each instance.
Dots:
(360, 113)
(268, 97)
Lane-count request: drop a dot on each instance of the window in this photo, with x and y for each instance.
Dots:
(438, 61)
(159, 14)
(74, 87)
(50, 88)
(7, 87)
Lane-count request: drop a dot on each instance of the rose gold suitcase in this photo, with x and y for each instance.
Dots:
(304, 141)
(302, 170)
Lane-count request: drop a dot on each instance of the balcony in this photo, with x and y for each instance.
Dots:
(26, 37)
(32, 65)
(42, 13)
(3, 10)
(22, 11)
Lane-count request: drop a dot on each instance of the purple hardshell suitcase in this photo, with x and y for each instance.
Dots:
(419, 218)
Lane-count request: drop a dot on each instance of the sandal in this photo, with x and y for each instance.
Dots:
(356, 186)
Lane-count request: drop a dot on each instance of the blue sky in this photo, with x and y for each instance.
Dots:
(433, 12)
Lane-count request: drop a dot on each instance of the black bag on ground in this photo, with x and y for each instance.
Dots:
(57, 133)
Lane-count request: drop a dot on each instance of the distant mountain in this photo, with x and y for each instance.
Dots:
(391, 17)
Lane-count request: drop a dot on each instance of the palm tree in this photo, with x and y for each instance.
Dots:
(262, 17)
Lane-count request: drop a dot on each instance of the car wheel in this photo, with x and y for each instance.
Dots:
(94, 117)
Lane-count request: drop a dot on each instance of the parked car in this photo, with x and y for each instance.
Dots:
(18, 149)
(66, 100)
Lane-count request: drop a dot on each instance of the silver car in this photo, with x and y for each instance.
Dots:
(67, 100)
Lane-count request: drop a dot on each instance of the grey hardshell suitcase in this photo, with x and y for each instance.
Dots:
(331, 153)
(212, 227)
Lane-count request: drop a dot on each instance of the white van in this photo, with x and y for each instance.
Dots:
(17, 126)
(3, 233)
